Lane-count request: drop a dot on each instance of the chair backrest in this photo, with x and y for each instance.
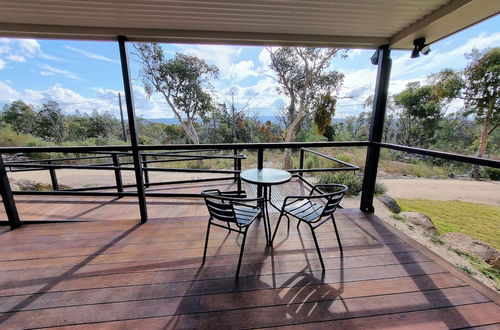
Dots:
(333, 200)
(218, 207)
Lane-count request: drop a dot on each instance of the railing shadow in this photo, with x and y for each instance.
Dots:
(54, 281)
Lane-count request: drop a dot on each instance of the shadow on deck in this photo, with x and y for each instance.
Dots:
(107, 271)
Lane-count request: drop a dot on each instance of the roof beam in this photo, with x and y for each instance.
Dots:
(449, 19)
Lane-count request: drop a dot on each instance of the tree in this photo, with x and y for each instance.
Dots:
(424, 106)
(50, 122)
(183, 81)
(482, 88)
(303, 76)
(20, 116)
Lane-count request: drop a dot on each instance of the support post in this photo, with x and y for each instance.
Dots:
(384, 64)
(134, 141)
(118, 172)
(8, 198)
(53, 177)
(146, 173)
(301, 161)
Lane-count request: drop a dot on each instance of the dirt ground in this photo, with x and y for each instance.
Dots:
(465, 190)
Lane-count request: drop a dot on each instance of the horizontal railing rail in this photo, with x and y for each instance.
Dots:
(444, 155)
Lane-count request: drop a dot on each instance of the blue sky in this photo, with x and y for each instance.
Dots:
(85, 75)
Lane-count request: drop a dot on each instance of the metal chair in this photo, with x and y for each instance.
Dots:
(230, 207)
(314, 210)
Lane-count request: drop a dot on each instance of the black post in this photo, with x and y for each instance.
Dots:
(121, 116)
(146, 173)
(377, 127)
(129, 100)
(8, 198)
(301, 161)
(118, 172)
(235, 164)
(53, 177)
(260, 165)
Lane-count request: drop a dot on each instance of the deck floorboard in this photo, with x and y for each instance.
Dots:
(106, 271)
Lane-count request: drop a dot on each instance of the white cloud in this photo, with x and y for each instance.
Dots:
(65, 73)
(222, 56)
(242, 70)
(2, 64)
(92, 55)
(7, 92)
(46, 73)
(16, 58)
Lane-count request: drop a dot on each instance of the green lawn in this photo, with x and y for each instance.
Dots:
(480, 221)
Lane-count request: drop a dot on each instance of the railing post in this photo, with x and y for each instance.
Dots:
(260, 165)
(301, 161)
(146, 172)
(118, 172)
(8, 198)
(53, 177)
(376, 128)
(235, 164)
(134, 141)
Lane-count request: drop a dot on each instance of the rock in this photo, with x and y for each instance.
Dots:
(25, 184)
(390, 203)
(421, 220)
(473, 246)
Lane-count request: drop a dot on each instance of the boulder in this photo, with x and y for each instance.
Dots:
(24, 184)
(390, 203)
(421, 220)
(473, 246)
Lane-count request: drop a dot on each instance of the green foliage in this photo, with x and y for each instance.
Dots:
(325, 111)
(398, 217)
(466, 269)
(476, 220)
(50, 122)
(437, 240)
(10, 138)
(20, 116)
(354, 182)
(491, 173)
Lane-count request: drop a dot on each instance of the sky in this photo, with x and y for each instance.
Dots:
(86, 75)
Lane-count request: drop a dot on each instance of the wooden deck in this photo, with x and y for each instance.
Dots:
(106, 271)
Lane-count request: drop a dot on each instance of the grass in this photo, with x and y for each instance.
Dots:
(487, 270)
(398, 217)
(480, 221)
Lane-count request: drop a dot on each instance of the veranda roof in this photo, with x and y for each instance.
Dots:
(338, 23)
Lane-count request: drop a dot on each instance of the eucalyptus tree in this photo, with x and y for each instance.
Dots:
(482, 94)
(184, 82)
(304, 75)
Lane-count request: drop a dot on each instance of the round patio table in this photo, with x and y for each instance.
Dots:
(264, 178)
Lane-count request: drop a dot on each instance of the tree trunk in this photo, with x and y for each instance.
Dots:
(290, 137)
(483, 143)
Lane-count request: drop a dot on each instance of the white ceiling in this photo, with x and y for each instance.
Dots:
(338, 23)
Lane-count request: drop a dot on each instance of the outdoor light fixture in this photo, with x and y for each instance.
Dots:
(420, 47)
(374, 58)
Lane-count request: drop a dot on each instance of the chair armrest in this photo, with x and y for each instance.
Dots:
(318, 186)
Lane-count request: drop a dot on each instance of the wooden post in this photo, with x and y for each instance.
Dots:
(8, 198)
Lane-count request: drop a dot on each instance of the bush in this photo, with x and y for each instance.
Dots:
(380, 189)
(351, 180)
(491, 173)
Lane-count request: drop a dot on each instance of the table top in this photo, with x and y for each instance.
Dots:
(265, 176)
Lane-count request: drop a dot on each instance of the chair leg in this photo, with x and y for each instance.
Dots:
(337, 233)
(241, 252)
(206, 241)
(276, 229)
(317, 247)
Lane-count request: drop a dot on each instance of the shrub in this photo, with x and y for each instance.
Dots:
(351, 180)
(491, 173)
(380, 189)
